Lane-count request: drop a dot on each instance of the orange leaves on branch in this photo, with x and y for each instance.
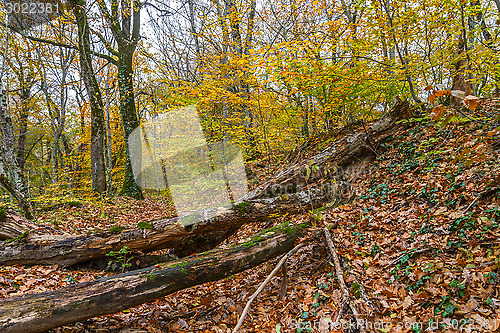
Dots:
(434, 94)
(471, 102)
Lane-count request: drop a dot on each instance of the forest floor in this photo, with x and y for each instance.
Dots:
(421, 236)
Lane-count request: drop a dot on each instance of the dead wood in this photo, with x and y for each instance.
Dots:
(40, 312)
(346, 299)
(294, 194)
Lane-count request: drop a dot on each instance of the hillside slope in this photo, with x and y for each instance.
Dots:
(417, 236)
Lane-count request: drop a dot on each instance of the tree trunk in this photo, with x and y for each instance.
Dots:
(109, 148)
(459, 81)
(168, 233)
(288, 192)
(11, 176)
(125, 29)
(40, 312)
(96, 106)
(130, 122)
(25, 97)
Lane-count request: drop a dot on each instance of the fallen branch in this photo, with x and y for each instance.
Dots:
(340, 276)
(263, 284)
(284, 283)
(40, 312)
(364, 296)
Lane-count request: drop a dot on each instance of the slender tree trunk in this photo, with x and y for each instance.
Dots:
(193, 30)
(109, 153)
(25, 76)
(23, 127)
(96, 106)
(109, 150)
(460, 81)
(11, 175)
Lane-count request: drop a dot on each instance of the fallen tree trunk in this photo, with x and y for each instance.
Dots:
(336, 157)
(288, 192)
(168, 233)
(40, 312)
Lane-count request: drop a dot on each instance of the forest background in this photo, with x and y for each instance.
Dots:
(268, 75)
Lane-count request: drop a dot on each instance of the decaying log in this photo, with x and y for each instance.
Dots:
(40, 312)
(10, 225)
(168, 233)
(292, 197)
(341, 154)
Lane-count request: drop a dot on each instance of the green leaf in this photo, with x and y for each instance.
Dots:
(307, 172)
(448, 310)
(144, 225)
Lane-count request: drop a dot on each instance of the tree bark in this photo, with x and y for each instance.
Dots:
(96, 106)
(125, 27)
(40, 312)
(289, 192)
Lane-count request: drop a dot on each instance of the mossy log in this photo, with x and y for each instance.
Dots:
(337, 157)
(40, 312)
(167, 233)
(287, 192)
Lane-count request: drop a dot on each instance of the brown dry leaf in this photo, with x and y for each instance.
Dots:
(440, 93)
(407, 302)
(468, 307)
(441, 210)
(402, 292)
